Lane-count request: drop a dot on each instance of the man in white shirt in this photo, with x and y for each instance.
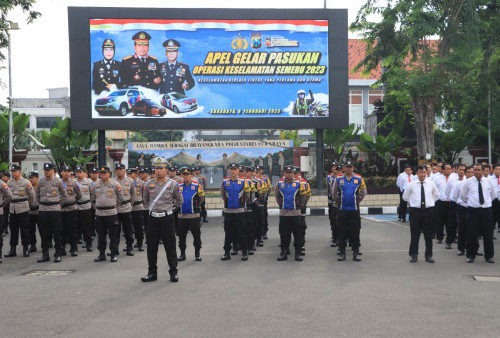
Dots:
(402, 182)
(451, 225)
(437, 170)
(495, 179)
(422, 195)
(461, 210)
(443, 204)
(454, 171)
(478, 192)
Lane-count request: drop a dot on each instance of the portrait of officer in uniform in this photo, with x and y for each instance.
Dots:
(106, 72)
(175, 75)
(140, 69)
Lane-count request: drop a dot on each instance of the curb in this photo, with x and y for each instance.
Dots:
(323, 211)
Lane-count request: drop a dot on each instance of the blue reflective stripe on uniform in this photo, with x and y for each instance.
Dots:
(289, 193)
(234, 191)
(348, 190)
(189, 195)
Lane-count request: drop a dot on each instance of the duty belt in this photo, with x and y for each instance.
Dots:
(19, 200)
(69, 204)
(48, 203)
(106, 208)
(83, 202)
(125, 202)
(34, 208)
(138, 202)
(161, 214)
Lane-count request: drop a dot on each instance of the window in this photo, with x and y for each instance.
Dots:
(35, 166)
(356, 107)
(374, 95)
(46, 122)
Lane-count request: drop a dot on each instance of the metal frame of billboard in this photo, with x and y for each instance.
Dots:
(80, 68)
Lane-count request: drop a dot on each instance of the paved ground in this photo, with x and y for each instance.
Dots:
(384, 295)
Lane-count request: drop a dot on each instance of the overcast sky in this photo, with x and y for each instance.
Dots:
(40, 51)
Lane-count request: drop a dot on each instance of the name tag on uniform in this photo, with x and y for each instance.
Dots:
(356, 181)
(239, 182)
(193, 187)
(228, 184)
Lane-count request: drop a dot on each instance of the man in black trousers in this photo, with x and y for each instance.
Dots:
(422, 195)
(478, 192)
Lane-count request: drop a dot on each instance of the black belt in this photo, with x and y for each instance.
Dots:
(125, 202)
(19, 200)
(83, 202)
(34, 208)
(106, 208)
(48, 203)
(69, 204)
(138, 202)
(421, 209)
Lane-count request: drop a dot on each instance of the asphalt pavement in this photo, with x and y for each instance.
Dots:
(382, 296)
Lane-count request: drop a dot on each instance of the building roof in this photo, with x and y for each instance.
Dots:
(356, 54)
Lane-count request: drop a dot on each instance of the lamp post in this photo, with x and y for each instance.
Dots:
(13, 26)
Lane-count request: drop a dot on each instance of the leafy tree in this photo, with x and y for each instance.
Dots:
(416, 67)
(5, 8)
(20, 121)
(451, 143)
(66, 145)
(336, 141)
(380, 150)
(291, 135)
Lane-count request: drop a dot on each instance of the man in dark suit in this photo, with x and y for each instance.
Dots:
(175, 76)
(140, 69)
(106, 72)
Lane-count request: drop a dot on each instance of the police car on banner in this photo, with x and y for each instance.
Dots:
(179, 103)
(120, 101)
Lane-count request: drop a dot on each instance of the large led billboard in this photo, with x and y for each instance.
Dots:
(208, 68)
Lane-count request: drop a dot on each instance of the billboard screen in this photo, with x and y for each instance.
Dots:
(190, 71)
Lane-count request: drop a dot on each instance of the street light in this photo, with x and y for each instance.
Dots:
(13, 26)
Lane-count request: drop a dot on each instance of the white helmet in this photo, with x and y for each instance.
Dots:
(301, 91)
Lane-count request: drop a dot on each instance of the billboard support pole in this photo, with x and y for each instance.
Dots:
(101, 148)
(319, 159)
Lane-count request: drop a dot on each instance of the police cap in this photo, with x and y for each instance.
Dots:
(233, 166)
(108, 43)
(120, 166)
(104, 170)
(93, 170)
(65, 168)
(128, 171)
(249, 169)
(79, 168)
(33, 174)
(185, 171)
(288, 169)
(259, 167)
(196, 168)
(159, 162)
(172, 168)
(15, 167)
(171, 45)
(141, 38)
(48, 166)
(296, 169)
(144, 170)
(348, 163)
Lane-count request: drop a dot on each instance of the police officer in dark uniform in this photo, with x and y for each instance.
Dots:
(106, 72)
(175, 76)
(140, 69)
(5, 197)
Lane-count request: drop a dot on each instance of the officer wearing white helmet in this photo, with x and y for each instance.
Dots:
(301, 105)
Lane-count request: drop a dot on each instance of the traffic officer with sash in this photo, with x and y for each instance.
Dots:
(290, 195)
(50, 193)
(125, 207)
(422, 195)
(235, 192)
(84, 211)
(161, 196)
(5, 197)
(22, 195)
(108, 196)
(349, 190)
(189, 213)
(137, 209)
(69, 211)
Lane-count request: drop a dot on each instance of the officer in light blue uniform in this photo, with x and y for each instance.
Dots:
(348, 190)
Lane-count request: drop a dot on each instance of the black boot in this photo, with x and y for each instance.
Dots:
(226, 256)
(182, 256)
(12, 252)
(283, 255)
(205, 220)
(89, 247)
(130, 250)
(26, 251)
(33, 248)
(356, 257)
(45, 257)
(74, 251)
(298, 257)
(197, 256)
(244, 255)
(139, 246)
(0, 256)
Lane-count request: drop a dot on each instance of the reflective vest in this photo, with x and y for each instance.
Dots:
(301, 107)
(191, 194)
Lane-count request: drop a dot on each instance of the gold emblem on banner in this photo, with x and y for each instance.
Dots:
(239, 43)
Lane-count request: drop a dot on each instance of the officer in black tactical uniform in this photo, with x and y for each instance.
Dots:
(175, 76)
(106, 72)
(140, 69)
